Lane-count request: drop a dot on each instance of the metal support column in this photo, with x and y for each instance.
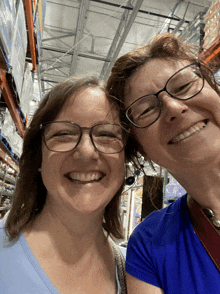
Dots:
(79, 32)
(29, 18)
(123, 38)
(115, 41)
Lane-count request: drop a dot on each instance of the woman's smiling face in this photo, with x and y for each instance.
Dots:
(83, 179)
(187, 132)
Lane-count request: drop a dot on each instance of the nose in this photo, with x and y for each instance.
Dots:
(85, 149)
(173, 109)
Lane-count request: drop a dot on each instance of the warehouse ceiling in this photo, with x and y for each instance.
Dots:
(85, 37)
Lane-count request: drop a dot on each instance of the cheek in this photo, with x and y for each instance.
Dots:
(118, 167)
(50, 166)
(210, 101)
(150, 145)
(147, 139)
(121, 163)
(46, 159)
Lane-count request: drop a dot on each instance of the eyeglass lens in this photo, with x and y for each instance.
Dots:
(183, 85)
(65, 136)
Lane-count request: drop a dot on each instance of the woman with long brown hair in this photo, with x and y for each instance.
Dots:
(56, 238)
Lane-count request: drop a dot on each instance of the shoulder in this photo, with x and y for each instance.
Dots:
(162, 224)
(2, 232)
(3, 239)
(154, 239)
(2, 224)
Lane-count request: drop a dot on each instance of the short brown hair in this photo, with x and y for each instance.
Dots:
(163, 46)
(30, 193)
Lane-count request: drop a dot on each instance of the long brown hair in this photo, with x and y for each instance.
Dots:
(30, 193)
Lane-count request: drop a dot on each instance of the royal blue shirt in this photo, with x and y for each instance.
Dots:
(165, 251)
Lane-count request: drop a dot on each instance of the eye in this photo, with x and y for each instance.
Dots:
(187, 87)
(62, 135)
(143, 108)
(108, 134)
(182, 88)
(185, 83)
(147, 111)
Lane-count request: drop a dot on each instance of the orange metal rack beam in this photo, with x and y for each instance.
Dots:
(213, 51)
(29, 18)
(7, 158)
(9, 100)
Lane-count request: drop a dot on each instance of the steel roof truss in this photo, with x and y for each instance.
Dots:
(84, 6)
(123, 37)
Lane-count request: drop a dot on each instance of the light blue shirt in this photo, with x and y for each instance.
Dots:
(20, 272)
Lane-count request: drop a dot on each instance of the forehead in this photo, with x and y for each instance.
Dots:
(150, 78)
(90, 104)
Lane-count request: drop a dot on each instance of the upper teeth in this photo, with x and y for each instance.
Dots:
(196, 128)
(86, 177)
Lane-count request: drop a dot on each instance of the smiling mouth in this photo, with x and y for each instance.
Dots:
(191, 131)
(85, 177)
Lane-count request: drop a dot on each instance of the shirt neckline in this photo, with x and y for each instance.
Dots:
(37, 267)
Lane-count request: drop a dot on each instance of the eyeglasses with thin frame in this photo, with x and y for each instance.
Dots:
(64, 136)
(185, 84)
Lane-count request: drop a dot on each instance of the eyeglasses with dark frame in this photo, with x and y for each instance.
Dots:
(184, 84)
(64, 136)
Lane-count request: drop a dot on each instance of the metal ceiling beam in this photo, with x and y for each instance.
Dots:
(176, 29)
(55, 67)
(181, 22)
(54, 37)
(48, 57)
(115, 41)
(86, 55)
(140, 10)
(49, 82)
(61, 4)
(58, 30)
(52, 75)
(58, 37)
(82, 15)
(45, 60)
(166, 25)
(123, 37)
(65, 74)
(175, 9)
(61, 63)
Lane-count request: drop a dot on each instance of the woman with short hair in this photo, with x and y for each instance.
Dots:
(170, 101)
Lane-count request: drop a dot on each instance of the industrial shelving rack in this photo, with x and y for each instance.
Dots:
(7, 91)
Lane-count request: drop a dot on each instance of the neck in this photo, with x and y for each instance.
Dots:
(203, 186)
(65, 231)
